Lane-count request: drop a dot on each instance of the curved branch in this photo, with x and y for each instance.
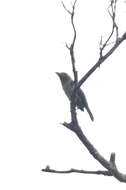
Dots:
(109, 165)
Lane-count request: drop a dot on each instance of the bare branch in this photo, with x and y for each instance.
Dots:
(112, 14)
(112, 160)
(71, 48)
(74, 3)
(66, 8)
(72, 170)
(67, 46)
(72, 44)
(101, 60)
(109, 165)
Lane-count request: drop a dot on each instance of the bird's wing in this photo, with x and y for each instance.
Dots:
(81, 99)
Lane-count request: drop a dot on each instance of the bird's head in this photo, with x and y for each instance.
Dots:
(64, 77)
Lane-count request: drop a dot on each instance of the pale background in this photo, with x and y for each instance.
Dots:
(33, 34)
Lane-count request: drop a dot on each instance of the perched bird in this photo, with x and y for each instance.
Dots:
(68, 86)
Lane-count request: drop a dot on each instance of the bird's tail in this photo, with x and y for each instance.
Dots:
(90, 114)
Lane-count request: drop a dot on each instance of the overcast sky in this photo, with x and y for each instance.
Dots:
(32, 104)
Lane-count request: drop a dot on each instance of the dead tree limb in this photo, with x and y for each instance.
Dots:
(72, 170)
(109, 165)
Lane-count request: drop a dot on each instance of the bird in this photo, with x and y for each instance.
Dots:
(68, 86)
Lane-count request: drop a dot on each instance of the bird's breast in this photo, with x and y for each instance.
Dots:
(68, 89)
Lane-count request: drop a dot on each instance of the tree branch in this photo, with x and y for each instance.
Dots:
(112, 13)
(109, 165)
(98, 172)
(101, 60)
(66, 8)
(71, 48)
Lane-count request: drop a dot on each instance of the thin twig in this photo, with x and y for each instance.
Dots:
(65, 8)
(71, 48)
(98, 172)
(112, 14)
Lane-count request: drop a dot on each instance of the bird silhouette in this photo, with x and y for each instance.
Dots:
(68, 86)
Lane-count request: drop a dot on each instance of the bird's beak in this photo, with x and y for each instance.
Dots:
(58, 74)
